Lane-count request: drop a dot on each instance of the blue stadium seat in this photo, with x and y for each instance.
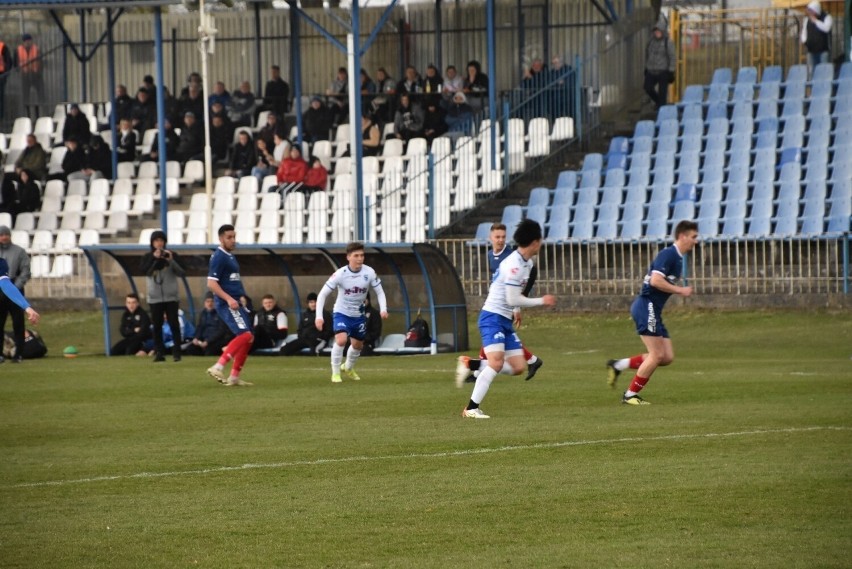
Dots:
(691, 144)
(683, 209)
(614, 177)
(823, 72)
(693, 111)
(616, 161)
(841, 192)
(769, 92)
(843, 104)
(722, 76)
(717, 110)
(483, 231)
(636, 195)
(657, 228)
(766, 139)
(708, 219)
(669, 127)
(789, 190)
(747, 75)
(763, 174)
(638, 177)
(619, 145)
(687, 173)
(717, 142)
(663, 177)
(787, 217)
(643, 144)
(612, 195)
(767, 124)
(538, 213)
(760, 220)
(693, 94)
(692, 127)
(766, 109)
(539, 196)
(558, 229)
(563, 198)
(657, 210)
(631, 228)
(586, 196)
(644, 128)
(821, 90)
(661, 193)
(590, 179)
(718, 93)
(736, 193)
(742, 110)
(841, 172)
(794, 91)
(790, 154)
(812, 225)
(814, 196)
(792, 108)
(819, 132)
(567, 179)
(845, 71)
(838, 224)
(710, 194)
(772, 74)
(686, 192)
(738, 174)
(742, 127)
(512, 216)
(797, 73)
(719, 126)
(743, 92)
(816, 171)
(640, 160)
(592, 161)
(667, 144)
(582, 225)
(819, 107)
(793, 135)
(664, 161)
(606, 226)
(667, 112)
(733, 224)
(714, 163)
(790, 172)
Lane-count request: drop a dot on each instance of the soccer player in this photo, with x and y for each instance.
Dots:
(647, 313)
(223, 280)
(352, 282)
(498, 253)
(8, 288)
(502, 346)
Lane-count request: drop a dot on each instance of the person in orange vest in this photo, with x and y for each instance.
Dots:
(5, 67)
(29, 62)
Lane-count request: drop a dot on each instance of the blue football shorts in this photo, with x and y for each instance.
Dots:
(648, 318)
(238, 321)
(497, 331)
(354, 326)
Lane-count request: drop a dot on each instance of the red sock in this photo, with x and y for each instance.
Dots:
(226, 356)
(527, 354)
(241, 352)
(636, 361)
(638, 383)
(482, 355)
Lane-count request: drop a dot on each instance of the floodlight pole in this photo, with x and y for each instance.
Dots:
(206, 34)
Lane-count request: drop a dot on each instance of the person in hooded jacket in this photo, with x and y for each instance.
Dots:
(162, 270)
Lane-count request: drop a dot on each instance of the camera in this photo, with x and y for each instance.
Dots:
(164, 254)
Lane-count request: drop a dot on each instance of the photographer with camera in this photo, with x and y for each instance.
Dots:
(162, 270)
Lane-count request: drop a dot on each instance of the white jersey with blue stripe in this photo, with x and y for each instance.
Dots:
(513, 272)
(352, 288)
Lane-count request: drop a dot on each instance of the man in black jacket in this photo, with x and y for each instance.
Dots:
(309, 336)
(135, 329)
(270, 324)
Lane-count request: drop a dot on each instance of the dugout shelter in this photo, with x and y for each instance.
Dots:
(415, 277)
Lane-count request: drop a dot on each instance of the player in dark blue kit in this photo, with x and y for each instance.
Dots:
(647, 313)
(223, 280)
(8, 288)
(498, 253)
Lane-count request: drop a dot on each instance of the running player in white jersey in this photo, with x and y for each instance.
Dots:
(503, 348)
(352, 282)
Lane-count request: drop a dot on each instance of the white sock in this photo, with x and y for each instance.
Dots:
(628, 394)
(336, 358)
(476, 372)
(218, 367)
(352, 357)
(622, 364)
(532, 359)
(483, 382)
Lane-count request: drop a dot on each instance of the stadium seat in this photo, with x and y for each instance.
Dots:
(718, 93)
(693, 94)
(582, 224)
(721, 76)
(760, 220)
(708, 218)
(693, 111)
(644, 128)
(772, 74)
(606, 225)
(539, 196)
(612, 195)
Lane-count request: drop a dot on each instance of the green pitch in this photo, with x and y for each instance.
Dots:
(742, 460)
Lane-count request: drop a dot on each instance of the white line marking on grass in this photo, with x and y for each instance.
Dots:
(580, 352)
(441, 454)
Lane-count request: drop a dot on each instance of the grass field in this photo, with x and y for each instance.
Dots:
(742, 460)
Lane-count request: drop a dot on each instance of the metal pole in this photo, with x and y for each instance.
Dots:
(578, 94)
(84, 80)
(161, 118)
(206, 33)
(492, 83)
(430, 171)
(355, 137)
(506, 145)
(847, 238)
(296, 67)
(439, 37)
(174, 60)
(257, 51)
(111, 79)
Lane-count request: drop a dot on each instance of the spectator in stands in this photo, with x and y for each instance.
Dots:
(659, 65)
(269, 130)
(10, 200)
(241, 111)
(408, 121)
(270, 324)
(123, 104)
(434, 120)
(172, 108)
(221, 135)
(243, 156)
(97, 162)
(459, 117)
(74, 160)
(193, 103)
(368, 86)
(162, 270)
(557, 69)
(432, 83)
(76, 125)
(317, 121)
(6, 64)
(453, 83)
(475, 85)
(143, 113)
(30, 64)
(126, 148)
(411, 83)
(293, 169)
(220, 95)
(374, 328)
(29, 193)
(33, 158)
(16, 259)
(193, 79)
(172, 141)
(135, 329)
(370, 135)
(276, 94)
(210, 334)
(816, 35)
(191, 142)
(316, 180)
(383, 104)
(266, 164)
(338, 93)
(149, 85)
(308, 335)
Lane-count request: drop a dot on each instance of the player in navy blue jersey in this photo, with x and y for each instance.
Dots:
(468, 368)
(647, 313)
(8, 288)
(223, 280)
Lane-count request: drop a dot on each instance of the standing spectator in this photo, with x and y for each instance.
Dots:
(221, 135)
(76, 125)
(292, 171)
(135, 329)
(308, 335)
(659, 65)
(453, 83)
(30, 64)
(408, 121)
(241, 111)
(162, 271)
(316, 179)
(270, 324)
(149, 85)
(475, 85)
(220, 95)
(210, 334)
(193, 79)
(459, 116)
(434, 120)
(269, 130)
(12, 300)
(223, 279)
(243, 158)
(276, 94)
(383, 104)
(191, 141)
(33, 158)
(17, 269)
(123, 104)
(6, 64)
(126, 147)
(647, 313)
(816, 35)
(432, 83)
(338, 93)
(193, 103)
(411, 83)
(317, 121)
(143, 112)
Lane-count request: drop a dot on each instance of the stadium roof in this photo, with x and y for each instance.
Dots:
(76, 4)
